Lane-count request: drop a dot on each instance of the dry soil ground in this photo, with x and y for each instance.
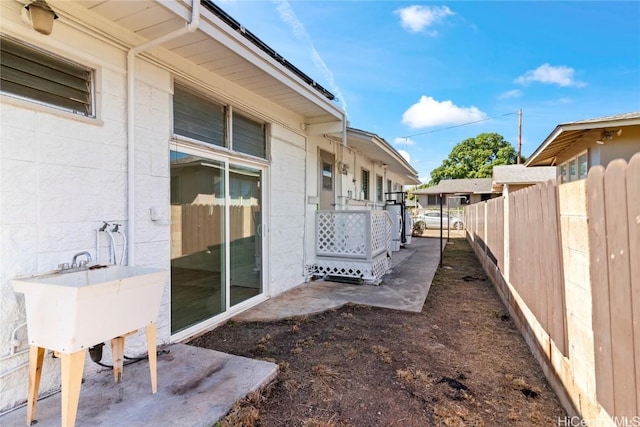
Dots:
(460, 362)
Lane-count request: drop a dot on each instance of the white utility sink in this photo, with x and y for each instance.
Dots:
(68, 312)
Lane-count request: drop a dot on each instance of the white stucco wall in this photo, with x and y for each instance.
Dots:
(287, 205)
(62, 176)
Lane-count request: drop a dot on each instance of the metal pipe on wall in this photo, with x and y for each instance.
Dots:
(131, 81)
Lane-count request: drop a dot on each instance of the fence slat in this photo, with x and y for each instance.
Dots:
(557, 306)
(600, 288)
(513, 241)
(633, 216)
(538, 298)
(500, 232)
(620, 290)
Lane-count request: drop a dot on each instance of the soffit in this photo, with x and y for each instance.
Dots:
(376, 150)
(221, 50)
(547, 156)
(564, 136)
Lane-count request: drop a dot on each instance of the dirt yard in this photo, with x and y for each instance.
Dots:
(461, 362)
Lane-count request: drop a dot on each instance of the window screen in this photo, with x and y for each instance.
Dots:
(582, 166)
(29, 73)
(197, 117)
(248, 136)
(379, 189)
(365, 184)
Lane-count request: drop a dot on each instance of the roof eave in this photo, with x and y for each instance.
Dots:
(578, 126)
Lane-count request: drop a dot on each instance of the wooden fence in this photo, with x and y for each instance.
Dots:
(535, 257)
(596, 239)
(201, 226)
(613, 204)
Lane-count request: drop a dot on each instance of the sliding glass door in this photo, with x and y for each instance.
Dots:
(216, 237)
(245, 233)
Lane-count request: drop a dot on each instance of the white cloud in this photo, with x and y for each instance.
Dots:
(560, 75)
(404, 154)
(404, 141)
(516, 93)
(429, 112)
(417, 18)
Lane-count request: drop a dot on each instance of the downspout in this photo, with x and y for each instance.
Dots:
(190, 27)
(344, 129)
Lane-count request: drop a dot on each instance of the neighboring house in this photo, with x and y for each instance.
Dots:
(210, 151)
(510, 178)
(456, 192)
(573, 148)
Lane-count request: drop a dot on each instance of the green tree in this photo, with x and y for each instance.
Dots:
(475, 158)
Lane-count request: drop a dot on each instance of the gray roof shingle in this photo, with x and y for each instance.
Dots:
(451, 186)
(519, 174)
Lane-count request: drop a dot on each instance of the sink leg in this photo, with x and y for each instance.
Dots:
(153, 357)
(117, 352)
(36, 359)
(72, 366)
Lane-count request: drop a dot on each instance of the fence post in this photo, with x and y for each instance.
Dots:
(505, 225)
(484, 226)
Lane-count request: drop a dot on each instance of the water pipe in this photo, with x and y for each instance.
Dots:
(116, 229)
(14, 343)
(131, 105)
(112, 253)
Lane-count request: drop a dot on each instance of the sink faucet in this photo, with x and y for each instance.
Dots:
(82, 263)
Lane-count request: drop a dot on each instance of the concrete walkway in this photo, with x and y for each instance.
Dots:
(197, 387)
(404, 288)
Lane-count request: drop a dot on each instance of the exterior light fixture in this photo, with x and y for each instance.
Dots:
(607, 135)
(41, 16)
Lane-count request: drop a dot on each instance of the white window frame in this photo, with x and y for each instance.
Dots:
(575, 163)
(43, 105)
(229, 111)
(379, 188)
(208, 151)
(365, 184)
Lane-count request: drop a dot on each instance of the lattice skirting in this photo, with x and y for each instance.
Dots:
(367, 271)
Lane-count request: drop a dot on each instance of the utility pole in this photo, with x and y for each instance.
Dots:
(518, 161)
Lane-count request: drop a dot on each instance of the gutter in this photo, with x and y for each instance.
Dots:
(190, 27)
(235, 25)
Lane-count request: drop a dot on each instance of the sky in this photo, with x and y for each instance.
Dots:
(427, 75)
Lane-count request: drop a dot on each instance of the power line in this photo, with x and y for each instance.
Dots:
(457, 126)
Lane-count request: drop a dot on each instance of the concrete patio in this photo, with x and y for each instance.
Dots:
(404, 288)
(197, 387)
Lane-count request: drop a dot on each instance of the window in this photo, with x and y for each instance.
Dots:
(379, 188)
(582, 166)
(32, 74)
(249, 136)
(365, 184)
(327, 176)
(573, 172)
(575, 168)
(197, 117)
(201, 118)
(563, 173)
(389, 187)
(432, 199)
